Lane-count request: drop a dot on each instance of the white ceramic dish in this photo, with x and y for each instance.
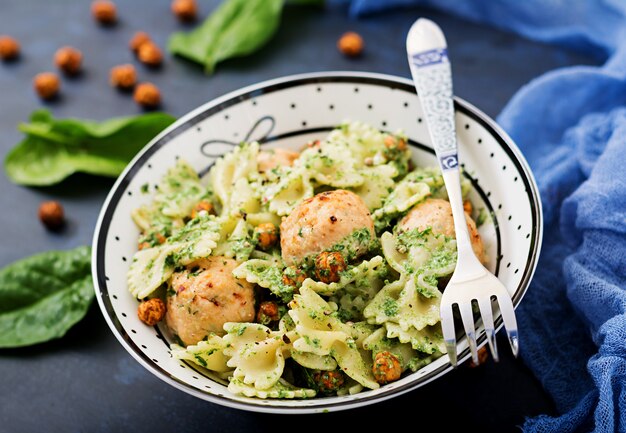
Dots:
(288, 112)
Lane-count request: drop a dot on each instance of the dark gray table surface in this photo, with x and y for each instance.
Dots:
(85, 381)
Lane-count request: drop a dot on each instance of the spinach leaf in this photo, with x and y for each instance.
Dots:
(56, 148)
(236, 28)
(43, 296)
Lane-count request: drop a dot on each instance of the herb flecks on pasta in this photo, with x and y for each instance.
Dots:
(291, 274)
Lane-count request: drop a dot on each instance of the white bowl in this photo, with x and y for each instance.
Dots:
(288, 112)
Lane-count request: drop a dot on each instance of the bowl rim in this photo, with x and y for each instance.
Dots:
(257, 89)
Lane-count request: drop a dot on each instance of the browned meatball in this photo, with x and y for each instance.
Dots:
(271, 158)
(437, 214)
(207, 295)
(321, 222)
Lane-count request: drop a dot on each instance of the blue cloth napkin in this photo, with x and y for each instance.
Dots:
(570, 124)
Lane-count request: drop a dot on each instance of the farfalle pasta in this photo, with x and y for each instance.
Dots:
(291, 274)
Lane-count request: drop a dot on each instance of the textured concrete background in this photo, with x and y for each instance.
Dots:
(86, 382)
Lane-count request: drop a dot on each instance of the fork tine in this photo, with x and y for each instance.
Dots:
(449, 335)
(467, 316)
(486, 313)
(510, 323)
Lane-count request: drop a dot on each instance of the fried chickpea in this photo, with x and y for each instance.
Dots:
(351, 44)
(293, 276)
(9, 48)
(268, 312)
(104, 11)
(151, 311)
(392, 142)
(69, 60)
(157, 238)
(51, 214)
(123, 76)
(185, 10)
(386, 367)
(467, 207)
(147, 95)
(267, 235)
(482, 357)
(150, 54)
(203, 205)
(47, 85)
(328, 266)
(329, 381)
(138, 39)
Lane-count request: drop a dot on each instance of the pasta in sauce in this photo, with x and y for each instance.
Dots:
(301, 274)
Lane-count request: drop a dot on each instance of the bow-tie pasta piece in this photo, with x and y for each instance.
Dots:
(207, 353)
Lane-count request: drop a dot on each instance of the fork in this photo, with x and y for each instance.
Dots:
(471, 281)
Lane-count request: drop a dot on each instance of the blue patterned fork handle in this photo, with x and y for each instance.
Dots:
(430, 67)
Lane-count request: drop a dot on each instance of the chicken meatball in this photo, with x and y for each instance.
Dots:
(322, 222)
(205, 296)
(437, 214)
(271, 158)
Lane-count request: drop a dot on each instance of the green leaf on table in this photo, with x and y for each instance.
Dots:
(53, 148)
(43, 296)
(236, 28)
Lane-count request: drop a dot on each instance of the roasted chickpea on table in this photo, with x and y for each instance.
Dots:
(47, 85)
(350, 44)
(123, 76)
(150, 54)
(9, 48)
(147, 95)
(138, 39)
(52, 214)
(104, 11)
(68, 60)
(185, 10)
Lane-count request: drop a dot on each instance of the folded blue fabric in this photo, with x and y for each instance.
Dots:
(571, 126)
